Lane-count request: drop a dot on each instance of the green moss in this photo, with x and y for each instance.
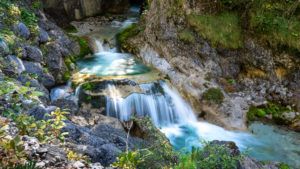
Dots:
(223, 30)
(255, 113)
(127, 33)
(261, 112)
(66, 76)
(214, 94)
(186, 36)
(70, 29)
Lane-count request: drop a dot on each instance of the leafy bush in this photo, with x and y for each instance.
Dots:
(159, 155)
(208, 157)
(223, 30)
(12, 151)
(214, 94)
(15, 94)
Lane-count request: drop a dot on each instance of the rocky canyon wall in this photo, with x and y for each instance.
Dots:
(250, 76)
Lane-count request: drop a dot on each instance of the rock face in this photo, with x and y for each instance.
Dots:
(247, 77)
(78, 9)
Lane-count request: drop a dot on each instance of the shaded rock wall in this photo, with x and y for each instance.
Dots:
(66, 10)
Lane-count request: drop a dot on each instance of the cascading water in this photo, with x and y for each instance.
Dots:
(165, 109)
(170, 112)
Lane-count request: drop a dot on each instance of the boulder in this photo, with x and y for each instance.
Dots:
(44, 37)
(67, 105)
(34, 53)
(44, 77)
(24, 79)
(4, 50)
(22, 30)
(102, 143)
(13, 65)
(39, 112)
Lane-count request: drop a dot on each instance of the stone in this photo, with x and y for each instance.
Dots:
(4, 50)
(23, 31)
(44, 37)
(68, 105)
(14, 64)
(79, 120)
(96, 166)
(24, 79)
(40, 111)
(78, 164)
(44, 77)
(34, 53)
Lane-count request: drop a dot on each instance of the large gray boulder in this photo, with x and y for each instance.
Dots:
(34, 53)
(39, 112)
(13, 64)
(43, 76)
(44, 37)
(23, 31)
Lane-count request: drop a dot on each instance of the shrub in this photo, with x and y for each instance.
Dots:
(214, 94)
(208, 157)
(223, 30)
(12, 151)
(159, 155)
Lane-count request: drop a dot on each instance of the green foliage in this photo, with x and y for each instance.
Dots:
(276, 111)
(231, 81)
(43, 130)
(271, 20)
(223, 30)
(186, 36)
(274, 21)
(127, 33)
(70, 29)
(29, 19)
(29, 165)
(10, 12)
(11, 149)
(283, 166)
(14, 94)
(73, 156)
(84, 47)
(214, 94)
(159, 155)
(208, 157)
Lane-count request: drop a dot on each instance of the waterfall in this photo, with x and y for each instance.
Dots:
(164, 109)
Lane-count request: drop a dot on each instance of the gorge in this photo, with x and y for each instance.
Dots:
(154, 64)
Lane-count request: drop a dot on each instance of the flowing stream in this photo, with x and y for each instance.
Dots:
(170, 112)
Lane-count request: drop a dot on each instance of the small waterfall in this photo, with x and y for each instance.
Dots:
(163, 105)
(61, 92)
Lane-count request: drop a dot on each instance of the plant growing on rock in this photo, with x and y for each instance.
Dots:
(214, 94)
(159, 155)
(12, 151)
(210, 156)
